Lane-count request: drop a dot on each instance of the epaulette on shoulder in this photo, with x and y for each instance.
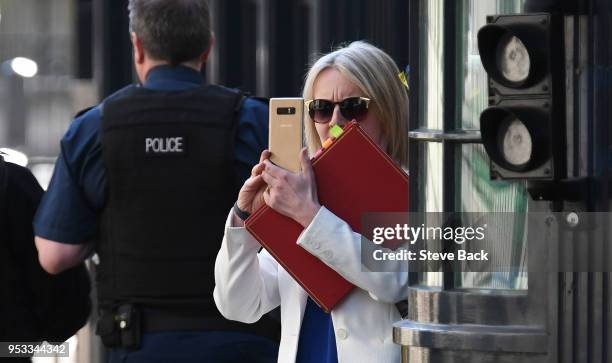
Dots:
(248, 94)
(83, 111)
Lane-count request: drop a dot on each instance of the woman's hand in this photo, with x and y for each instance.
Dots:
(293, 195)
(250, 196)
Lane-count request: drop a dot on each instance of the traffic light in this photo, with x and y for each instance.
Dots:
(523, 129)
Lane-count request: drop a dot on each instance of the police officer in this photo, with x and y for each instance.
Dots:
(31, 300)
(146, 179)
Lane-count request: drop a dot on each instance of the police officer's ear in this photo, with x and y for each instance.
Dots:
(204, 56)
(139, 54)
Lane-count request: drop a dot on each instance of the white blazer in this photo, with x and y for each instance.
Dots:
(250, 284)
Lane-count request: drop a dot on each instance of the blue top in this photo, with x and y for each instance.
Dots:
(69, 210)
(317, 340)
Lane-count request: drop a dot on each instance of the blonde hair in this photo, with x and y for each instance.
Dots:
(376, 75)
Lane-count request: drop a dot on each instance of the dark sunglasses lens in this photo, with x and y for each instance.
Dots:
(354, 108)
(321, 110)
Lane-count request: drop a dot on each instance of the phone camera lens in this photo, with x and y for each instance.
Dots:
(285, 111)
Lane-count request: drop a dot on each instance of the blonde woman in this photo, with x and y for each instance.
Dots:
(355, 82)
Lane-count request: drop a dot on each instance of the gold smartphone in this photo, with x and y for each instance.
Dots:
(286, 128)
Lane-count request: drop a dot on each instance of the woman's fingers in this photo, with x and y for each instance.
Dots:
(269, 179)
(256, 180)
(249, 191)
(257, 169)
(275, 171)
(264, 155)
(253, 184)
(267, 197)
(306, 163)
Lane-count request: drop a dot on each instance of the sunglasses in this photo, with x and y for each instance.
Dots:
(321, 111)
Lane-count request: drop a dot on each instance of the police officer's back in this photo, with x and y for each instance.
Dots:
(150, 175)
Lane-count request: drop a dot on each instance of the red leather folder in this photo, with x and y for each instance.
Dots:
(353, 176)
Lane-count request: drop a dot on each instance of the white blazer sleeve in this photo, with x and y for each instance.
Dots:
(246, 284)
(332, 240)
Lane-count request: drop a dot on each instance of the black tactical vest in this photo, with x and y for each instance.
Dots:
(169, 162)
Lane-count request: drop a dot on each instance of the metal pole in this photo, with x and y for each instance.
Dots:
(16, 111)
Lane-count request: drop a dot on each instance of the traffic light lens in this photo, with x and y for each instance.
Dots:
(516, 143)
(513, 59)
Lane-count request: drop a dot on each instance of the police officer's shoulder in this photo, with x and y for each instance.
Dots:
(264, 101)
(230, 89)
(254, 114)
(83, 127)
(87, 123)
(246, 94)
(97, 110)
(256, 104)
(249, 102)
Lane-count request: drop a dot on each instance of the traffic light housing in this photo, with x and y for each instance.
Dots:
(523, 129)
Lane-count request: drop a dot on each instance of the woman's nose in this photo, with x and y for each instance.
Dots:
(337, 118)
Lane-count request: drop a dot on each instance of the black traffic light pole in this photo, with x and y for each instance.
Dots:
(112, 54)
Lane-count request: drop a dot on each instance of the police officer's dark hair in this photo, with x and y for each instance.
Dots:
(175, 31)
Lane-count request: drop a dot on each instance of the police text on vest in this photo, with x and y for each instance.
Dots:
(164, 145)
